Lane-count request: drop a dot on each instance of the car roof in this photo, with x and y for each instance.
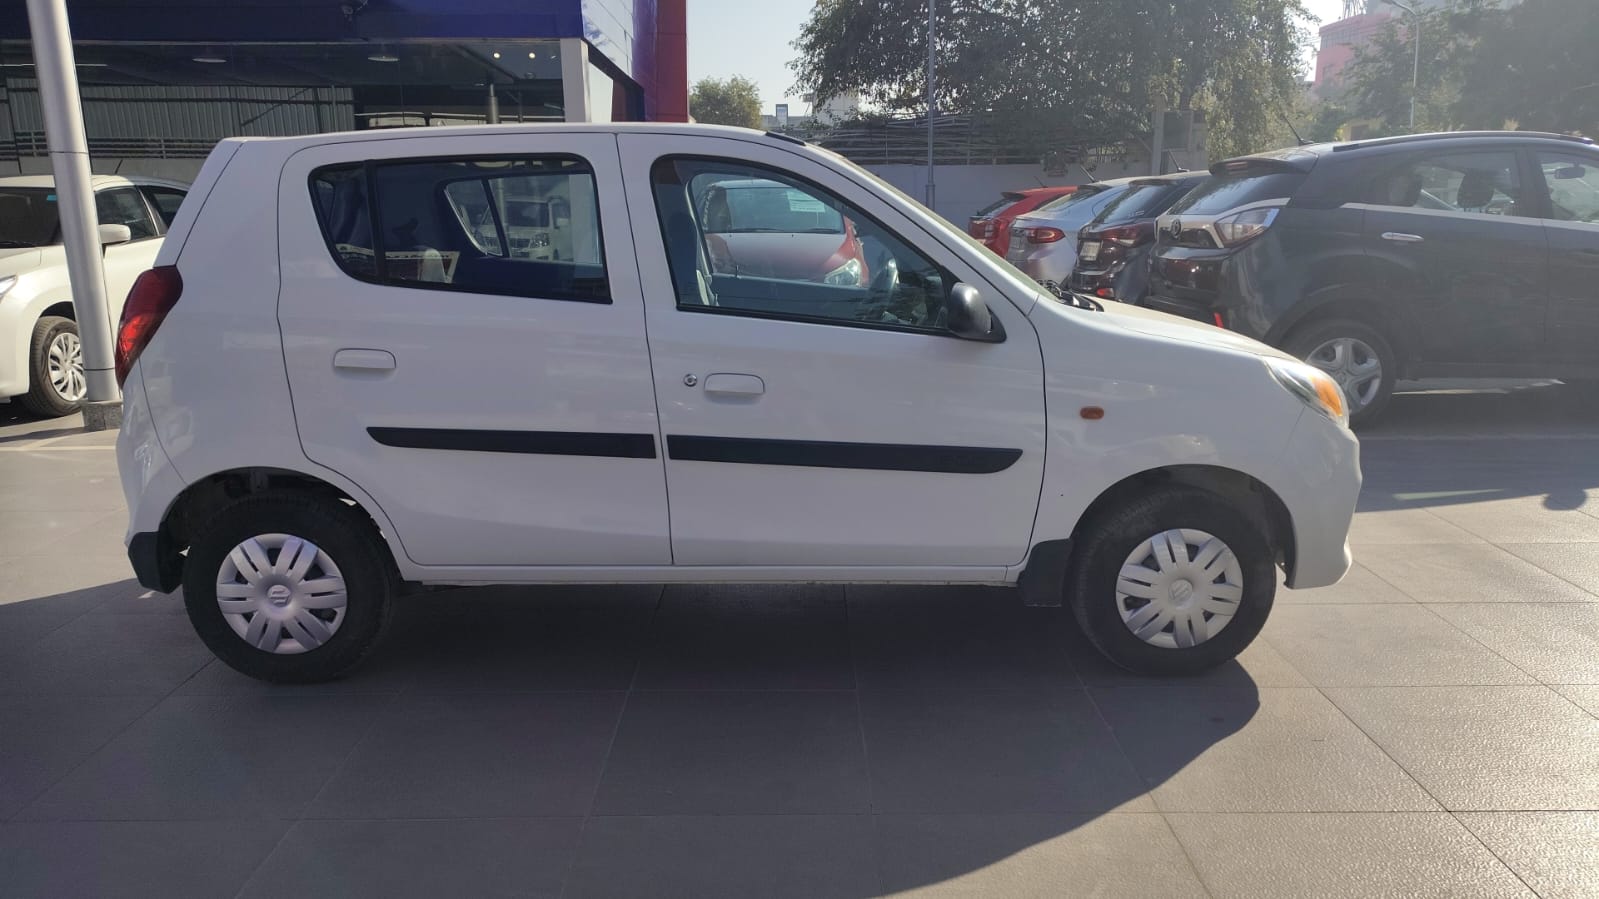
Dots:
(464, 131)
(98, 182)
(1303, 158)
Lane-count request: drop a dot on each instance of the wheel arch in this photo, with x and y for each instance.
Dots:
(1357, 304)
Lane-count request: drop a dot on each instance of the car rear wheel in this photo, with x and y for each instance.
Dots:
(289, 589)
(1175, 582)
(56, 383)
(1357, 356)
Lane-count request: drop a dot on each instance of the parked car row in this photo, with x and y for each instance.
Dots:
(1472, 254)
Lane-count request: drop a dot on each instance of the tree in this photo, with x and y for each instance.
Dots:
(736, 101)
(1381, 73)
(1097, 65)
(1540, 72)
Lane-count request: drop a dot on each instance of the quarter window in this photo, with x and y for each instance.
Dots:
(748, 240)
(517, 227)
(1573, 187)
(124, 206)
(1480, 183)
(166, 201)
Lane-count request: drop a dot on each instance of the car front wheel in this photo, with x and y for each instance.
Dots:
(56, 383)
(1175, 582)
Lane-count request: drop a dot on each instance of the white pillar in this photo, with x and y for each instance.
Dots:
(57, 72)
(575, 79)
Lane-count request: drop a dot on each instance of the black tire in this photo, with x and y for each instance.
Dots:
(42, 398)
(1114, 534)
(1308, 337)
(345, 534)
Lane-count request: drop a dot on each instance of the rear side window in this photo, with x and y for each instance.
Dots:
(992, 208)
(526, 226)
(1220, 193)
(1079, 195)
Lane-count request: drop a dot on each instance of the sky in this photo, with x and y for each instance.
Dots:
(752, 37)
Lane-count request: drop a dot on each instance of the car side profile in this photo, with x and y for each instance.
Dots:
(41, 359)
(345, 391)
(1462, 255)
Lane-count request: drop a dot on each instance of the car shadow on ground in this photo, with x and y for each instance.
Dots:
(911, 735)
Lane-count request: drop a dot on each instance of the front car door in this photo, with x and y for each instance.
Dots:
(815, 410)
(125, 262)
(1571, 179)
(1462, 225)
(478, 367)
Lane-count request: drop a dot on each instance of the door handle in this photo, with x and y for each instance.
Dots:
(725, 384)
(364, 360)
(1402, 237)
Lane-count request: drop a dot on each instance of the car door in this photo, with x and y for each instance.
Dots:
(124, 262)
(815, 410)
(487, 382)
(1464, 231)
(1571, 179)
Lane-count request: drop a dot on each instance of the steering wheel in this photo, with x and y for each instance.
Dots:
(885, 279)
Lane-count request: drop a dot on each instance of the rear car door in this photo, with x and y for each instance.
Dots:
(1572, 181)
(815, 409)
(464, 338)
(1463, 227)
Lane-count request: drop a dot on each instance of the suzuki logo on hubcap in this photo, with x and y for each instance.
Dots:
(279, 594)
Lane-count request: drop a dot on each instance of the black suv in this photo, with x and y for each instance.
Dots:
(1471, 254)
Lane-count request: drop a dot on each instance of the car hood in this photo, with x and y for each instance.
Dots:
(1159, 324)
(16, 260)
(793, 256)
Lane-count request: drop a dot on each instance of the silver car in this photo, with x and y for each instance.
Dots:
(1043, 243)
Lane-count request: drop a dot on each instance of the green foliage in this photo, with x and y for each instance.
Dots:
(1098, 65)
(736, 101)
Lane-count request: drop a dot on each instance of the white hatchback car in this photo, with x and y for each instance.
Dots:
(41, 361)
(337, 384)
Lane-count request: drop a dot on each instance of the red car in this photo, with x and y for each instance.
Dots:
(991, 224)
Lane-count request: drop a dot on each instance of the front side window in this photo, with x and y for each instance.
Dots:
(124, 206)
(516, 227)
(750, 240)
(1573, 184)
(1480, 183)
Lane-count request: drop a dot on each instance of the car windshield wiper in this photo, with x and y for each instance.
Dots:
(1078, 300)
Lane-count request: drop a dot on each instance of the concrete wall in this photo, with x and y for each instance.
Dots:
(964, 189)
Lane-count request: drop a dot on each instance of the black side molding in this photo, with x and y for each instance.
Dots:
(544, 443)
(824, 454)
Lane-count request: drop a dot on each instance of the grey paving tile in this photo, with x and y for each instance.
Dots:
(43, 738)
(1574, 562)
(729, 753)
(1397, 645)
(1407, 854)
(63, 531)
(1467, 573)
(197, 757)
(1484, 748)
(1259, 665)
(1585, 696)
(159, 859)
(736, 637)
(476, 755)
(1527, 519)
(1555, 853)
(384, 859)
(994, 751)
(1130, 855)
(1558, 643)
(957, 638)
(802, 856)
(1359, 586)
(43, 577)
(1406, 526)
(534, 638)
(108, 655)
(1238, 751)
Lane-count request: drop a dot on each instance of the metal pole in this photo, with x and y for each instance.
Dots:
(1415, 72)
(932, 100)
(69, 161)
(494, 106)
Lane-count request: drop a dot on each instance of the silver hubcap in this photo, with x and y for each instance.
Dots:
(1354, 365)
(64, 360)
(1179, 588)
(281, 594)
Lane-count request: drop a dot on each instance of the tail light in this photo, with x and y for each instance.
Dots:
(1130, 235)
(1243, 227)
(977, 227)
(1045, 235)
(152, 297)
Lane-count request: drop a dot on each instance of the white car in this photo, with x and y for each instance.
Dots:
(333, 390)
(41, 360)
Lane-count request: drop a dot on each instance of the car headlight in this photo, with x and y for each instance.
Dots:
(846, 275)
(1313, 387)
(6, 283)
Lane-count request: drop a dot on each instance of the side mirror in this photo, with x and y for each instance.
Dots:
(967, 316)
(110, 234)
(1570, 173)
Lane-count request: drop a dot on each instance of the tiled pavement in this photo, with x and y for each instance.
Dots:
(1430, 727)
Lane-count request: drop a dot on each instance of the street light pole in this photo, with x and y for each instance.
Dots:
(932, 101)
(1415, 37)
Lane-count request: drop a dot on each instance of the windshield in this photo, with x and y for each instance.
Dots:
(1221, 193)
(1076, 196)
(993, 207)
(1140, 201)
(28, 217)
